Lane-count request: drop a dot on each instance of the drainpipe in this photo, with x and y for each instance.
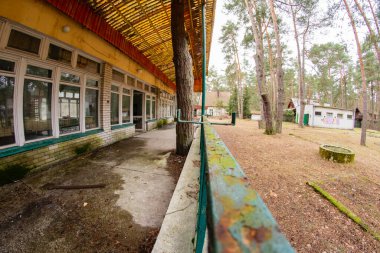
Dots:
(202, 201)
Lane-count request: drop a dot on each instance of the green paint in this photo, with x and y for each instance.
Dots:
(45, 143)
(344, 210)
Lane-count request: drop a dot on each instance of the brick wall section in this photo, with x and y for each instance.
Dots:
(105, 98)
(52, 154)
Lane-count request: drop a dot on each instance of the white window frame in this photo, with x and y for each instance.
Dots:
(114, 83)
(54, 102)
(15, 97)
(85, 87)
(81, 98)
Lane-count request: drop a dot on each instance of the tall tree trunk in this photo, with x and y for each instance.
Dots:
(259, 60)
(279, 71)
(372, 106)
(364, 82)
(374, 17)
(183, 76)
(300, 74)
(272, 71)
(240, 85)
(371, 33)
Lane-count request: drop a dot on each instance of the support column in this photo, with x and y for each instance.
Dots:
(105, 97)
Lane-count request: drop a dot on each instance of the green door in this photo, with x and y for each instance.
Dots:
(306, 119)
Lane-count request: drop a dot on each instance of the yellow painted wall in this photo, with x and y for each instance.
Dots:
(46, 19)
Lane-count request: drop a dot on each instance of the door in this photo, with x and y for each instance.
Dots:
(138, 119)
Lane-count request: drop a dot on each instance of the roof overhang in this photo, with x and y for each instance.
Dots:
(141, 30)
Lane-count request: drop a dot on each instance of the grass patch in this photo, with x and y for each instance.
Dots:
(83, 148)
(12, 173)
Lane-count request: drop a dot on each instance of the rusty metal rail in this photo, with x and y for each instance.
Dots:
(237, 218)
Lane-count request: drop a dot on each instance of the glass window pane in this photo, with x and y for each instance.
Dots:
(24, 42)
(126, 91)
(92, 83)
(147, 107)
(37, 71)
(117, 76)
(67, 77)
(114, 108)
(59, 54)
(130, 81)
(114, 88)
(126, 109)
(153, 109)
(146, 87)
(153, 90)
(7, 65)
(91, 108)
(139, 85)
(37, 109)
(7, 135)
(87, 64)
(69, 102)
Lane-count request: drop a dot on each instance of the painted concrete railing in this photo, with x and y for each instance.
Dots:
(237, 218)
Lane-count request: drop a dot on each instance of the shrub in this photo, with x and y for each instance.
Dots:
(165, 121)
(160, 123)
(83, 148)
(12, 173)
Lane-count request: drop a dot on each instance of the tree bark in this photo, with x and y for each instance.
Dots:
(301, 96)
(271, 70)
(259, 60)
(279, 71)
(364, 82)
(183, 76)
(374, 17)
(371, 33)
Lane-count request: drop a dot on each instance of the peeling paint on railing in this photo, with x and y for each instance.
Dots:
(238, 220)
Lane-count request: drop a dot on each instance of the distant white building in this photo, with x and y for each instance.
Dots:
(216, 103)
(325, 116)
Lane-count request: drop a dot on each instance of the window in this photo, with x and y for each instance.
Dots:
(88, 64)
(126, 107)
(153, 107)
(114, 105)
(318, 113)
(7, 65)
(349, 116)
(130, 81)
(339, 116)
(59, 54)
(117, 76)
(153, 90)
(24, 42)
(7, 135)
(37, 109)
(147, 107)
(38, 71)
(329, 114)
(91, 104)
(70, 78)
(147, 87)
(69, 104)
(139, 85)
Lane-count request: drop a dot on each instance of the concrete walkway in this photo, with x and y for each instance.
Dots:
(125, 216)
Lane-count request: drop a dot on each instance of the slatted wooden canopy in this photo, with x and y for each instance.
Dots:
(141, 29)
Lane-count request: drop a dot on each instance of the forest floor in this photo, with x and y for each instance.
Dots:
(279, 166)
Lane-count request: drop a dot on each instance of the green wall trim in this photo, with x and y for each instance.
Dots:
(44, 143)
(121, 126)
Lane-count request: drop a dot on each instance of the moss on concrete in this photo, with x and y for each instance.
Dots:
(336, 154)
